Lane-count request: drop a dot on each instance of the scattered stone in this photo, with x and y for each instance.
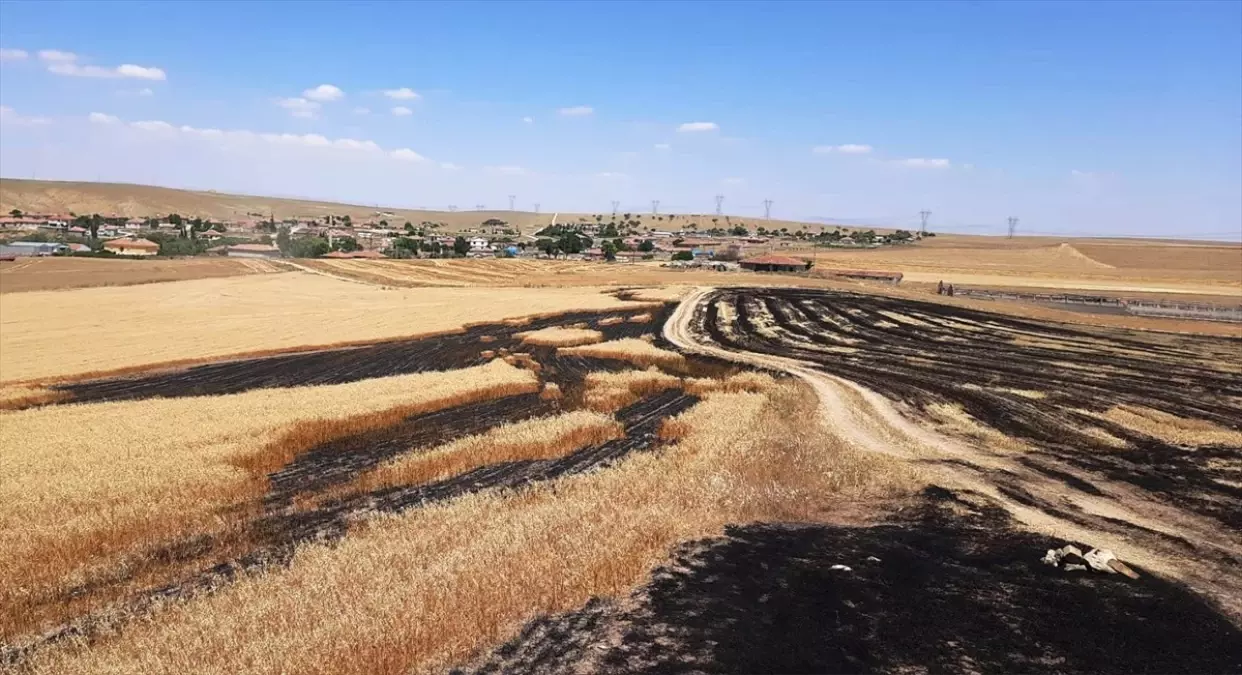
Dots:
(841, 568)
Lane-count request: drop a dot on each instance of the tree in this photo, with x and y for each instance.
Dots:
(739, 231)
(283, 241)
(409, 227)
(16, 213)
(218, 227)
(572, 243)
(546, 245)
(647, 246)
(460, 246)
(345, 244)
(96, 221)
(346, 221)
(683, 255)
(308, 247)
(175, 219)
(610, 251)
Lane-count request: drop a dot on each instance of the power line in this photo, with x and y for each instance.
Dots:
(655, 206)
(512, 198)
(1013, 225)
(719, 203)
(767, 209)
(924, 215)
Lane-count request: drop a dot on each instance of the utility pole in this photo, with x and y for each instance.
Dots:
(924, 215)
(719, 202)
(767, 209)
(1013, 225)
(512, 198)
(655, 206)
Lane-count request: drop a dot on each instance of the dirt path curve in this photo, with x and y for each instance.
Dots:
(869, 422)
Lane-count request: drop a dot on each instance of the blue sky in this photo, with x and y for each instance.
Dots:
(1082, 118)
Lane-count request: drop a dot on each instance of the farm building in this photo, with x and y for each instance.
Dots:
(32, 248)
(253, 251)
(774, 263)
(354, 254)
(132, 247)
(78, 248)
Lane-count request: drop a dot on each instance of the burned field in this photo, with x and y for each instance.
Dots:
(405, 506)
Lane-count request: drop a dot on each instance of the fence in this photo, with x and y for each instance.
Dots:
(1177, 310)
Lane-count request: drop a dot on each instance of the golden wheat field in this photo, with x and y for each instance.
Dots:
(480, 466)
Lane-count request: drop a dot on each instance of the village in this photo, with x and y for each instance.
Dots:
(679, 241)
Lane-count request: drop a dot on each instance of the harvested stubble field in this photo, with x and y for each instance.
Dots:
(49, 274)
(587, 491)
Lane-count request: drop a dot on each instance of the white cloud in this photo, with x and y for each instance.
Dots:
(360, 110)
(846, 149)
(402, 94)
(56, 56)
(153, 125)
(66, 63)
(922, 163)
(146, 91)
(401, 111)
(299, 107)
(407, 155)
(449, 166)
(10, 116)
(13, 54)
(662, 146)
(351, 144)
(612, 174)
(324, 93)
(101, 118)
(699, 126)
(528, 120)
(577, 111)
(509, 170)
(733, 181)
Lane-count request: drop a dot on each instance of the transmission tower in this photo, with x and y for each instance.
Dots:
(452, 208)
(924, 215)
(615, 204)
(512, 198)
(536, 208)
(767, 209)
(655, 206)
(480, 207)
(719, 203)
(1013, 225)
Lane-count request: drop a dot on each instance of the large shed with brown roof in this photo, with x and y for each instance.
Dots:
(132, 247)
(774, 263)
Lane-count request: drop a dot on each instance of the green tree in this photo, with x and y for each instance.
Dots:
(683, 255)
(96, 221)
(647, 246)
(308, 247)
(610, 251)
(546, 245)
(283, 241)
(460, 245)
(175, 219)
(572, 243)
(16, 213)
(347, 221)
(218, 227)
(739, 231)
(409, 227)
(404, 247)
(345, 244)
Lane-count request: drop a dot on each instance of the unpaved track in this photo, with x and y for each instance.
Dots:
(1136, 525)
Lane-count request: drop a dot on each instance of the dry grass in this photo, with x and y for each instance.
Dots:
(1171, 428)
(131, 476)
(543, 438)
(46, 274)
(611, 320)
(137, 326)
(20, 397)
(551, 392)
(557, 336)
(473, 570)
(747, 380)
(645, 317)
(635, 350)
(609, 392)
(953, 419)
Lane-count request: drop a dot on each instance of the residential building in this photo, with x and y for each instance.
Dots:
(774, 263)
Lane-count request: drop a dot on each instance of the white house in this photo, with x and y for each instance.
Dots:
(480, 245)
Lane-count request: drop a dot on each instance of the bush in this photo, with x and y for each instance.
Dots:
(683, 255)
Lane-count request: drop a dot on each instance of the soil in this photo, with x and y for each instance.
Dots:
(948, 585)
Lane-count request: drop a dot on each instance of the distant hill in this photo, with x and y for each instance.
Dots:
(124, 199)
